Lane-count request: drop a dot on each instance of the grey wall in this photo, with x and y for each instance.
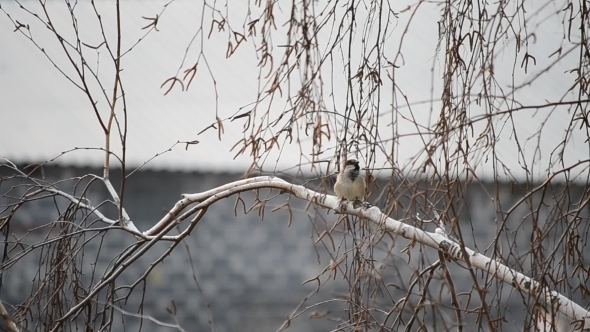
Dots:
(250, 271)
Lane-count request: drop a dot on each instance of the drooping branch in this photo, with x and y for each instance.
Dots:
(437, 240)
(197, 204)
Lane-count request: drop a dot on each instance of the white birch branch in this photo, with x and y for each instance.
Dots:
(437, 240)
(126, 224)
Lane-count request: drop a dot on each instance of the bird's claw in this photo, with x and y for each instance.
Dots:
(358, 203)
(355, 204)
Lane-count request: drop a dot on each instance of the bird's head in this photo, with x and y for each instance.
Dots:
(351, 164)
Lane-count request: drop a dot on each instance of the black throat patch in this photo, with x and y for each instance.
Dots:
(354, 173)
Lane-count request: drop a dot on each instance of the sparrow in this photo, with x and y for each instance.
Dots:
(350, 184)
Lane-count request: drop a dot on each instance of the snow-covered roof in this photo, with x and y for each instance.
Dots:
(43, 114)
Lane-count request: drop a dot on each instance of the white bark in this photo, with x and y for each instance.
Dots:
(435, 240)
